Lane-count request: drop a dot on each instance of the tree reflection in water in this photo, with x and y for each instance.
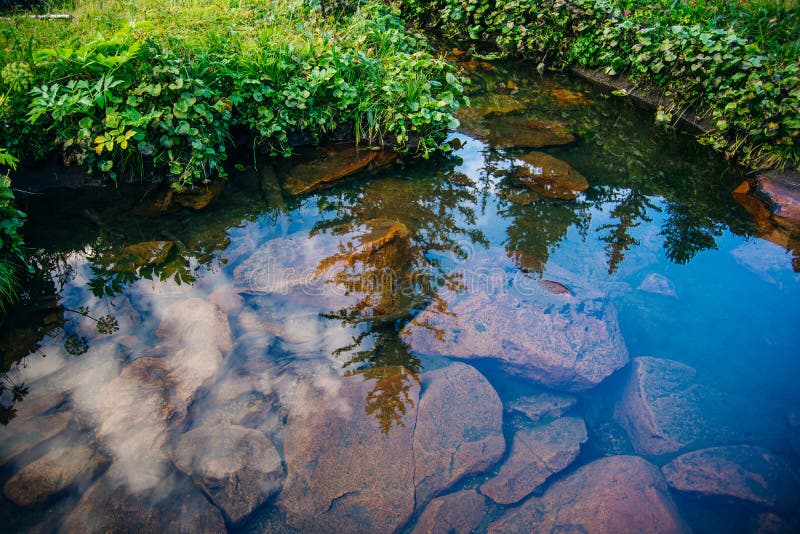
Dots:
(400, 228)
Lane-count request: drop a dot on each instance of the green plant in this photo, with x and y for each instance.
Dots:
(11, 220)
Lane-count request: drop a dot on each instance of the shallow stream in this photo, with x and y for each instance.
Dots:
(429, 346)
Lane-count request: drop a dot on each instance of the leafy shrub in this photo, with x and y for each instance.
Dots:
(735, 62)
(11, 220)
(140, 102)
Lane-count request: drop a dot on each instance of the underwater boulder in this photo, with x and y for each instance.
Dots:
(457, 513)
(549, 176)
(332, 164)
(536, 454)
(744, 472)
(608, 496)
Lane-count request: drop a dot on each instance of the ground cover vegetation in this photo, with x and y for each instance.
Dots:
(165, 89)
(736, 63)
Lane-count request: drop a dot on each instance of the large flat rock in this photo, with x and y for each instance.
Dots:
(452, 442)
(347, 471)
(175, 505)
(549, 176)
(743, 472)
(536, 454)
(457, 513)
(556, 340)
(611, 495)
(60, 469)
(660, 406)
(333, 164)
(238, 468)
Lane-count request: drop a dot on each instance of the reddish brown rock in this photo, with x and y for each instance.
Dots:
(555, 287)
(343, 473)
(543, 405)
(238, 468)
(198, 197)
(514, 131)
(482, 107)
(554, 340)
(743, 472)
(452, 431)
(332, 165)
(536, 454)
(572, 98)
(611, 495)
(659, 408)
(452, 442)
(782, 190)
(457, 513)
(774, 229)
(174, 505)
(58, 470)
(550, 176)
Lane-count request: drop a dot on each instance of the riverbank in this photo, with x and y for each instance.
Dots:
(734, 66)
(164, 91)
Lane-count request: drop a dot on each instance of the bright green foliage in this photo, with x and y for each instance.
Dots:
(158, 96)
(735, 62)
(11, 220)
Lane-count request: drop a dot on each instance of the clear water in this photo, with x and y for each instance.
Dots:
(317, 309)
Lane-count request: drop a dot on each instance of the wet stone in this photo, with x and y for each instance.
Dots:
(549, 176)
(557, 341)
(482, 107)
(174, 505)
(659, 408)
(458, 513)
(61, 468)
(453, 430)
(555, 287)
(570, 98)
(744, 472)
(522, 197)
(782, 190)
(542, 406)
(522, 132)
(610, 495)
(21, 435)
(658, 284)
(133, 257)
(332, 165)
(449, 443)
(375, 492)
(199, 197)
(536, 454)
(237, 467)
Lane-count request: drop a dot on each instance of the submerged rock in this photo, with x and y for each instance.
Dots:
(658, 284)
(457, 513)
(174, 505)
(543, 405)
(23, 434)
(454, 429)
(549, 176)
(482, 107)
(555, 287)
(62, 468)
(536, 454)
(336, 163)
(783, 192)
(522, 132)
(451, 443)
(133, 257)
(567, 97)
(660, 408)
(555, 340)
(237, 467)
(744, 472)
(198, 197)
(610, 495)
(375, 492)
(524, 197)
